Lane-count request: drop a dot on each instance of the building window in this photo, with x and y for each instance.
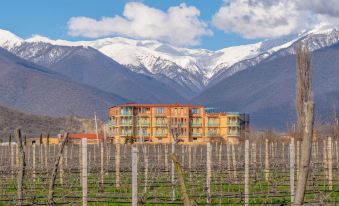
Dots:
(159, 110)
(195, 111)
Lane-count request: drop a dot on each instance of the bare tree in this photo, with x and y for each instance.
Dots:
(334, 125)
(175, 129)
(304, 86)
(305, 114)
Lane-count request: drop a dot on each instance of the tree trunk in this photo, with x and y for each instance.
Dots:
(305, 153)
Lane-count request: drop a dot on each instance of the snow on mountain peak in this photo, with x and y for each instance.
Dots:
(9, 40)
(195, 67)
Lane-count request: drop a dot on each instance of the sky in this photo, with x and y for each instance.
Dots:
(209, 24)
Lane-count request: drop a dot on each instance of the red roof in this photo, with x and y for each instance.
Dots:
(156, 105)
(80, 136)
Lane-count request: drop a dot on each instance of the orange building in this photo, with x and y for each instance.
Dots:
(159, 123)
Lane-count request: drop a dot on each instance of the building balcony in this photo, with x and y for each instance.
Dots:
(111, 123)
(196, 134)
(233, 123)
(212, 134)
(181, 124)
(125, 134)
(126, 123)
(213, 124)
(142, 123)
(126, 113)
(147, 114)
(235, 133)
(162, 124)
(143, 135)
(160, 134)
(196, 124)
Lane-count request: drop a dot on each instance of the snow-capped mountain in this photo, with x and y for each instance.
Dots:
(191, 68)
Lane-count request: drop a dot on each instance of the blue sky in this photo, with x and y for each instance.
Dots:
(219, 23)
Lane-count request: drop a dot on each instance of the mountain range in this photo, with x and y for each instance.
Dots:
(237, 78)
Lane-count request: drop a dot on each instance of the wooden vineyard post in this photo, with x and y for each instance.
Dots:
(40, 150)
(55, 170)
(46, 155)
(298, 158)
(158, 153)
(173, 173)
(182, 155)
(108, 157)
(134, 176)
(117, 164)
(94, 154)
(234, 162)
(220, 153)
(317, 150)
(62, 160)
(228, 159)
(22, 167)
(272, 151)
(80, 162)
(12, 160)
(329, 163)
(102, 163)
(209, 172)
(33, 161)
(260, 154)
(314, 152)
(247, 148)
(54, 150)
(166, 157)
(283, 152)
(84, 171)
(17, 158)
(190, 161)
(325, 158)
(336, 154)
(146, 167)
(66, 156)
(89, 155)
(254, 153)
(195, 156)
(267, 164)
(27, 149)
(190, 157)
(292, 168)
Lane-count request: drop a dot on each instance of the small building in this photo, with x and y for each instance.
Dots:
(91, 138)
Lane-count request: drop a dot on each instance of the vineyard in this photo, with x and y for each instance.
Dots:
(252, 172)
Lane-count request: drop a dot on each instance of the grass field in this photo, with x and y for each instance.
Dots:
(154, 176)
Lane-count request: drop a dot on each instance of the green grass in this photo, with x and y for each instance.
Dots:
(159, 189)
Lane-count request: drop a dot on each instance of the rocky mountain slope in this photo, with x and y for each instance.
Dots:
(88, 66)
(35, 89)
(267, 90)
(34, 125)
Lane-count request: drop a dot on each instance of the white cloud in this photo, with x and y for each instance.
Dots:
(179, 25)
(324, 7)
(261, 18)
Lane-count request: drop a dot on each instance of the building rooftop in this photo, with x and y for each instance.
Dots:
(156, 105)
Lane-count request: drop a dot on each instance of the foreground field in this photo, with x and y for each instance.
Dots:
(110, 174)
